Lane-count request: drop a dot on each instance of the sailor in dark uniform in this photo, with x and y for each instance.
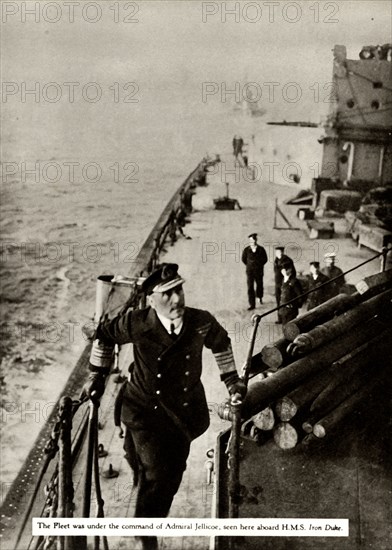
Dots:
(291, 289)
(332, 271)
(254, 257)
(164, 406)
(238, 144)
(280, 260)
(316, 279)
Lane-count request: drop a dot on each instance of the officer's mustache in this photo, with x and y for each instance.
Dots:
(178, 307)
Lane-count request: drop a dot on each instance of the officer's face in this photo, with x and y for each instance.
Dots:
(252, 241)
(169, 304)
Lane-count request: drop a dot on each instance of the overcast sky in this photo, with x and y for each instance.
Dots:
(171, 37)
(170, 49)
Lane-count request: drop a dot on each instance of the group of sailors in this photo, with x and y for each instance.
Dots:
(289, 288)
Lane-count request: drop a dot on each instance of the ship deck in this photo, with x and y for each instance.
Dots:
(210, 261)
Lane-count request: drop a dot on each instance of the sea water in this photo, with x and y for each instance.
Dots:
(86, 182)
(57, 237)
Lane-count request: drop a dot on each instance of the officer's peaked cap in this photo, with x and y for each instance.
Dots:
(164, 278)
(252, 236)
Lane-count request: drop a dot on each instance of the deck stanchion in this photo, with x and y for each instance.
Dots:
(92, 435)
(234, 458)
(92, 427)
(384, 253)
(100, 501)
(235, 439)
(65, 507)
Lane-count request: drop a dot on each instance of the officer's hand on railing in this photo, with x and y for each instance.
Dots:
(94, 387)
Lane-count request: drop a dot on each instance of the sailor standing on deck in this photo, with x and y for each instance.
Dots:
(164, 406)
(281, 260)
(238, 144)
(316, 279)
(254, 257)
(332, 271)
(291, 289)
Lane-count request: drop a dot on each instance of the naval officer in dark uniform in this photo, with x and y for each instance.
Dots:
(281, 259)
(315, 280)
(254, 257)
(291, 290)
(164, 406)
(332, 271)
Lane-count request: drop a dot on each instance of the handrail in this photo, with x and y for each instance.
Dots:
(236, 407)
(144, 263)
(383, 253)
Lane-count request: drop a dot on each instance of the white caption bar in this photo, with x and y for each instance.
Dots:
(185, 527)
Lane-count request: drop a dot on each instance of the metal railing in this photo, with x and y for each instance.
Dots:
(17, 509)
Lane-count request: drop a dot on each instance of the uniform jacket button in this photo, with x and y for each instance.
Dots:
(187, 373)
(158, 392)
(159, 375)
(155, 407)
(185, 404)
(185, 389)
(159, 359)
(187, 357)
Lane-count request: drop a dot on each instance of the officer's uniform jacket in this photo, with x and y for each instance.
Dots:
(318, 296)
(331, 272)
(254, 261)
(165, 377)
(291, 289)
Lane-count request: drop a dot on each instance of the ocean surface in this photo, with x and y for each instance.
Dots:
(58, 236)
(84, 181)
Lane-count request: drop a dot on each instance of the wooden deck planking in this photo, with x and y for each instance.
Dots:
(215, 280)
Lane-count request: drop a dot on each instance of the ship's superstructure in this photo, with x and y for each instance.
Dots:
(357, 151)
(348, 475)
